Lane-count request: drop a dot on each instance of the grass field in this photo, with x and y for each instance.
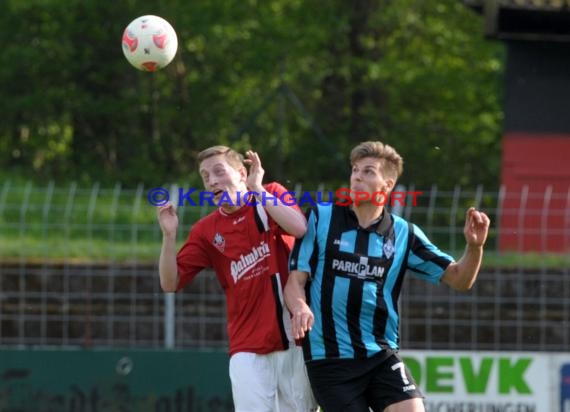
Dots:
(145, 250)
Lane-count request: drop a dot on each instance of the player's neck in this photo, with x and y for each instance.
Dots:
(230, 209)
(237, 200)
(367, 213)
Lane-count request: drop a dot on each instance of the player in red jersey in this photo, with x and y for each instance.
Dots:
(248, 247)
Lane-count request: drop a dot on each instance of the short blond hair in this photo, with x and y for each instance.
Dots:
(391, 163)
(233, 158)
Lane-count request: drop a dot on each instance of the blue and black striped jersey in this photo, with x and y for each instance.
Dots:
(356, 276)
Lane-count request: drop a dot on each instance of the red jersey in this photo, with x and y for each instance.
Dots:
(249, 252)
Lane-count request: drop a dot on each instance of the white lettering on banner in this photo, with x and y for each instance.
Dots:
(483, 381)
(240, 267)
(510, 376)
(479, 407)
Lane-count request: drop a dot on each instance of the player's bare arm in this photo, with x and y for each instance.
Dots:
(167, 269)
(296, 300)
(291, 220)
(461, 275)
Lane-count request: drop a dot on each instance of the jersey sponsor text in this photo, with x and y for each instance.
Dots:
(360, 269)
(246, 262)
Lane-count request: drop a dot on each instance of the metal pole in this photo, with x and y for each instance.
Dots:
(408, 205)
(113, 213)
(45, 210)
(521, 232)
(134, 216)
(500, 216)
(397, 207)
(69, 210)
(169, 319)
(566, 226)
(281, 116)
(170, 298)
(44, 292)
(544, 215)
(4, 195)
(431, 210)
(453, 218)
(478, 196)
(91, 210)
(22, 270)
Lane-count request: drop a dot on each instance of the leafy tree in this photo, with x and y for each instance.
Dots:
(301, 81)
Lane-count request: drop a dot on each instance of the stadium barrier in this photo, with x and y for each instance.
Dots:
(68, 380)
(196, 381)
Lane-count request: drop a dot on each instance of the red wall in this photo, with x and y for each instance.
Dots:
(536, 163)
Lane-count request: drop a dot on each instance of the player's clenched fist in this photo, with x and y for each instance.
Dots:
(476, 227)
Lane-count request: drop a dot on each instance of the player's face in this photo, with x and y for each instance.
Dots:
(219, 176)
(367, 176)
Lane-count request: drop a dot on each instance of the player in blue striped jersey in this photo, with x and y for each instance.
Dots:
(346, 276)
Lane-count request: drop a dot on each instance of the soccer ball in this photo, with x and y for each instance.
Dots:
(149, 43)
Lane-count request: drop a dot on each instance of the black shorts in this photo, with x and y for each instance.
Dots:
(354, 385)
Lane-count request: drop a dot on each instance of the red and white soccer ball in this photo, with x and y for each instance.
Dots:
(149, 43)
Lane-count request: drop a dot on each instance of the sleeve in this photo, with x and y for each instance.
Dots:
(305, 252)
(192, 258)
(425, 260)
(278, 193)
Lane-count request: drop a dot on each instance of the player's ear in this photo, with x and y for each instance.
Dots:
(390, 183)
(243, 173)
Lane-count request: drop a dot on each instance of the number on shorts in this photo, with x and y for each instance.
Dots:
(400, 365)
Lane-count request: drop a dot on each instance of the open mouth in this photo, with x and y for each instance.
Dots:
(217, 192)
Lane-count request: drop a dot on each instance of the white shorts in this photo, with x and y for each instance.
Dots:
(276, 382)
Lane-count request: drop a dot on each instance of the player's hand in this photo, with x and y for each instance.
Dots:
(256, 172)
(302, 322)
(167, 218)
(476, 227)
